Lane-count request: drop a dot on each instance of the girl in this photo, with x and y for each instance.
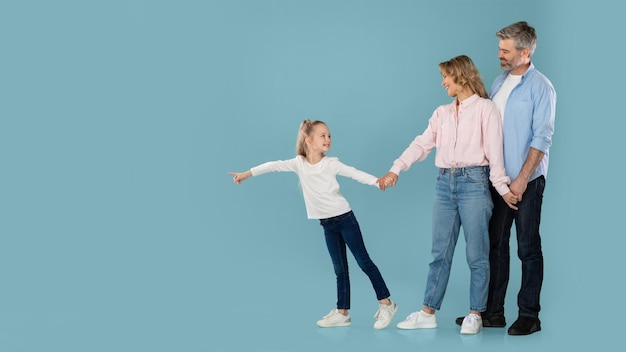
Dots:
(468, 136)
(317, 174)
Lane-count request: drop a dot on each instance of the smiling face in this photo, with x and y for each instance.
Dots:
(511, 59)
(318, 141)
(448, 83)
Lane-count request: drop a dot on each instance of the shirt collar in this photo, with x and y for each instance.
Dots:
(530, 68)
(467, 101)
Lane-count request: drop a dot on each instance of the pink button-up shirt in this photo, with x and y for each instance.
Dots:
(471, 137)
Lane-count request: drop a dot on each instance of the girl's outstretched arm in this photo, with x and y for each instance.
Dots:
(238, 177)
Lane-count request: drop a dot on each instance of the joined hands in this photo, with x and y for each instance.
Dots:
(389, 180)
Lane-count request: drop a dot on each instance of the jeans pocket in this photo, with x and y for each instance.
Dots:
(476, 177)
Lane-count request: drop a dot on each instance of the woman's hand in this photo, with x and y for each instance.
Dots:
(511, 199)
(389, 180)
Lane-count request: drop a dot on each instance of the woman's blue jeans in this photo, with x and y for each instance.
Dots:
(462, 198)
(527, 219)
(342, 231)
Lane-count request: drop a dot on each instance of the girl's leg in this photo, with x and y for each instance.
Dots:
(337, 250)
(351, 233)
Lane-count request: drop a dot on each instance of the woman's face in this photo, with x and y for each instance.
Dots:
(447, 82)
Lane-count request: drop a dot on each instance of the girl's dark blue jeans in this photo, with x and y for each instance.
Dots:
(341, 231)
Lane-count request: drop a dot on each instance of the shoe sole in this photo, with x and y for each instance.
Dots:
(486, 324)
(381, 327)
(334, 325)
(423, 326)
(524, 333)
(470, 332)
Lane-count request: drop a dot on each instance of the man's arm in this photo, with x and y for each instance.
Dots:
(518, 186)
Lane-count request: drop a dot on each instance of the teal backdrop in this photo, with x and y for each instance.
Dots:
(121, 230)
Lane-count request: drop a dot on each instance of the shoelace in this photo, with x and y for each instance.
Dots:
(412, 316)
(378, 313)
(472, 319)
(384, 310)
(332, 312)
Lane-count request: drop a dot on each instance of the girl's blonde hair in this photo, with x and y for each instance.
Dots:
(464, 73)
(306, 128)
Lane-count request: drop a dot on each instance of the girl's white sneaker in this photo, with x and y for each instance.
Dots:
(384, 314)
(333, 319)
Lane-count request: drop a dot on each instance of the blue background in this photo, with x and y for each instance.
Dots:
(122, 231)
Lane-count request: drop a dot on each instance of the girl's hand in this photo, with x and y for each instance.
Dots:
(389, 180)
(238, 177)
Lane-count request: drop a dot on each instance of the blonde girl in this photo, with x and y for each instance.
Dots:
(318, 179)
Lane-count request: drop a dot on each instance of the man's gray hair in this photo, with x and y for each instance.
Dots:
(522, 34)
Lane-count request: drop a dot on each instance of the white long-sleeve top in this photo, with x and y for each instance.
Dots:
(320, 188)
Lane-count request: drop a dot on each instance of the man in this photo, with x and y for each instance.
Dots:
(526, 100)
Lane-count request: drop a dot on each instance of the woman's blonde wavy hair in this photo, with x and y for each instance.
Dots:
(464, 73)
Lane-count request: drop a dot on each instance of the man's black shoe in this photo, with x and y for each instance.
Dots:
(525, 326)
(489, 321)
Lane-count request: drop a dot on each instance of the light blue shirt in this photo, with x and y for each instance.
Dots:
(528, 120)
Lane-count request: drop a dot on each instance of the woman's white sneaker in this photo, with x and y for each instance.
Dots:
(418, 320)
(472, 324)
(333, 319)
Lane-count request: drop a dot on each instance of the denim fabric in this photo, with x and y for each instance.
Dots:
(527, 220)
(461, 199)
(344, 230)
